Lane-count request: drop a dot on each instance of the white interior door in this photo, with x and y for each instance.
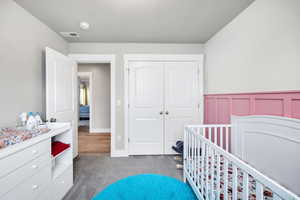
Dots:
(182, 100)
(61, 91)
(146, 105)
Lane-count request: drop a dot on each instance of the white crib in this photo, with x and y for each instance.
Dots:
(215, 155)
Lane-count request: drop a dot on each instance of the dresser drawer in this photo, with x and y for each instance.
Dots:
(32, 187)
(28, 170)
(20, 158)
(63, 183)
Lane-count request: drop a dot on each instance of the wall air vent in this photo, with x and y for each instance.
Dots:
(70, 34)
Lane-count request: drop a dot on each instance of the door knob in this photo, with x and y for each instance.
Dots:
(167, 112)
(161, 112)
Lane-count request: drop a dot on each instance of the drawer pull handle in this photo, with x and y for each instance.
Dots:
(34, 187)
(34, 151)
(34, 166)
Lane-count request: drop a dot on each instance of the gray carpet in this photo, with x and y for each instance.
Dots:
(92, 173)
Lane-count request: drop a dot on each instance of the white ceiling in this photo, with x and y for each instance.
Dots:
(157, 21)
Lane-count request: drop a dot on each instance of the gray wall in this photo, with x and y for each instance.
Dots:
(100, 94)
(22, 42)
(258, 51)
(119, 49)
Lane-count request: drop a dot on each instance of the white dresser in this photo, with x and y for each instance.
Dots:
(28, 170)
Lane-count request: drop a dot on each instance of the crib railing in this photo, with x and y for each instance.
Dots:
(218, 134)
(214, 173)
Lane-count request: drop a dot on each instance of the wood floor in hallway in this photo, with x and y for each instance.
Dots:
(92, 142)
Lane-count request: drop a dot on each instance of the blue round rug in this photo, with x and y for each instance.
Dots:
(147, 187)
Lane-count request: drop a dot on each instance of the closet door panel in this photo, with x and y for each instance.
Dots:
(181, 100)
(146, 104)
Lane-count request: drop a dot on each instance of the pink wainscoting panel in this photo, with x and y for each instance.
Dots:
(223, 110)
(296, 108)
(210, 104)
(265, 106)
(219, 107)
(241, 106)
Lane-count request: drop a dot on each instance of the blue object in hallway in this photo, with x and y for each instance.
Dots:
(147, 187)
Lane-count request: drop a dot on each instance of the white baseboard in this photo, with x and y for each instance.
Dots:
(99, 130)
(119, 153)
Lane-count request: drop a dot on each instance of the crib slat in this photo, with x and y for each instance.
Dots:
(184, 152)
(198, 163)
(234, 183)
(189, 153)
(187, 150)
(206, 171)
(193, 157)
(227, 139)
(202, 166)
(259, 191)
(225, 179)
(195, 163)
(218, 175)
(245, 186)
(221, 138)
(184, 144)
(194, 160)
(195, 153)
(212, 173)
(209, 133)
(216, 135)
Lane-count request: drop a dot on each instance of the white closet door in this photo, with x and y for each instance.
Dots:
(182, 96)
(146, 106)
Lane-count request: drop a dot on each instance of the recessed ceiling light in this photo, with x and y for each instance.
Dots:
(84, 25)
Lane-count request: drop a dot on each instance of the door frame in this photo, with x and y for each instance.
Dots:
(198, 58)
(111, 59)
